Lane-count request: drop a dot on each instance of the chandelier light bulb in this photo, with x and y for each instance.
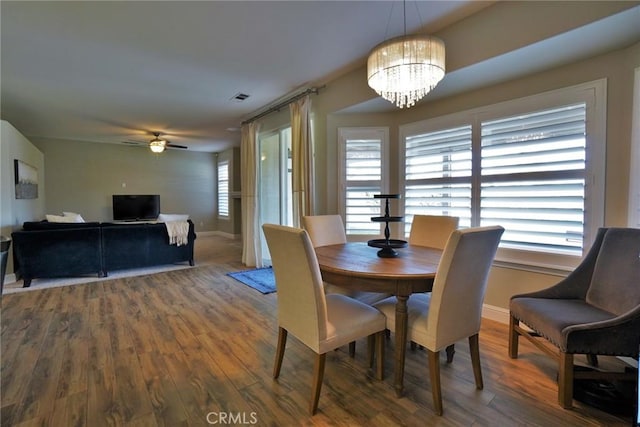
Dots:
(404, 69)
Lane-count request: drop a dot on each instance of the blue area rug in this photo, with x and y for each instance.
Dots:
(260, 279)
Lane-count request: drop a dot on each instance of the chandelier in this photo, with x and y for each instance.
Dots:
(404, 69)
(157, 145)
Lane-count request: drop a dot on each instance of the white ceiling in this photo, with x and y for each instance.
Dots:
(116, 71)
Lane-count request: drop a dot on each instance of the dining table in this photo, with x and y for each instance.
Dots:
(356, 266)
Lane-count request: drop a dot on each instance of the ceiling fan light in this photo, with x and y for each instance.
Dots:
(157, 145)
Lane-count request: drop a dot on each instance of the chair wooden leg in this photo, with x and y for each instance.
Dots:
(474, 350)
(282, 343)
(318, 373)
(371, 342)
(380, 337)
(434, 372)
(513, 337)
(352, 348)
(565, 380)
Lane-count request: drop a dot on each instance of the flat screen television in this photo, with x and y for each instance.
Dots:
(136, 207)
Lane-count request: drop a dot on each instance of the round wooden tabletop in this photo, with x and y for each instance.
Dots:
(357, 259)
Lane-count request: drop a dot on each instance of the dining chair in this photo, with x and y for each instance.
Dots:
(595, 310)
(432, 230)
(327, 230)
(321, 322)
(452, 311)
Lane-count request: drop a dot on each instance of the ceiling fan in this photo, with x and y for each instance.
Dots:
(158, 144)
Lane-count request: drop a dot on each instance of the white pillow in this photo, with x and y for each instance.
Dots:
(77, 217)
(60, 218)
(172, 217)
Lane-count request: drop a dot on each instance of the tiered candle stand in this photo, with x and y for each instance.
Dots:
(388, 245)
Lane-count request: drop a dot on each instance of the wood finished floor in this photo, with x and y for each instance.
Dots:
(171, 348)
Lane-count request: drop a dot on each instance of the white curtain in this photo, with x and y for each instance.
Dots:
(302, 160)
(251, 246)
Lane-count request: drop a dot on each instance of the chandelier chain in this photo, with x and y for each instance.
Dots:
(404, 69)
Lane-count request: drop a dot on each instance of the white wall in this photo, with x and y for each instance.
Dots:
(474, 40)
(13, 212)
(82, 176)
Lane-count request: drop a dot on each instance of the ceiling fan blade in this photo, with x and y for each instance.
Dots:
(183, 147)
(134, 143)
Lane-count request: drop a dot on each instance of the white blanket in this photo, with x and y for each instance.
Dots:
(178, 232)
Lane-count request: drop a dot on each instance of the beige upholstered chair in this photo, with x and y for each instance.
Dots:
(594, 311)
(452, 311)
(432, 230)
(327, 230)
(322, 323)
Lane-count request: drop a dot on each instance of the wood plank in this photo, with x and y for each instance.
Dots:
(168, 349)
(168, 409)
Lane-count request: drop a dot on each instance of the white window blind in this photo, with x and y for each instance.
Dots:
(362, 176)
(438, 174)
(533, 178)
(534, 165)
(223, 189)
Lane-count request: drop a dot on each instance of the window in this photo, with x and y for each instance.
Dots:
(223, 189)
(275, 181)
(275, 185)
(362, 174)
(634, 166)
(533, 165)
(533, 178)
(438, 174)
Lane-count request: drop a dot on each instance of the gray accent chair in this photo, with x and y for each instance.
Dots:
(594, 311)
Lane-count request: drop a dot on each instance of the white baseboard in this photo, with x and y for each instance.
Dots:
(494, 313)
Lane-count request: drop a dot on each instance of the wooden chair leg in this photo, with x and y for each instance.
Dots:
(380, 337)
(318, 373)
(513, 337)
(371, 342)
(282, 343)
(434, 372)
(565, 380)
(352, 348)
(474, 350)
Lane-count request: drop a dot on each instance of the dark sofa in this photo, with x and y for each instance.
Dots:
(47, 250)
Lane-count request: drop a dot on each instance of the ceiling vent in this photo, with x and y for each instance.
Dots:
(239, 97)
